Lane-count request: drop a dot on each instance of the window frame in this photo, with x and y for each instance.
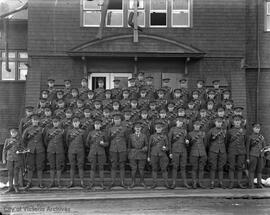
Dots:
(140, 10)
(267, 15)
(17, 60)
(117, 11)
(160, 11)
(84, 11)
(181, 10)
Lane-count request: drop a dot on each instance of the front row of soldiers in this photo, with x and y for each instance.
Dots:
(218, 146)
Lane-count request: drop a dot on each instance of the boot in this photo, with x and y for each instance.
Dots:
(9, 190)
(16, 189)
(165, 178)
(239, 179)
(174, 176)
(259, 181)
(113, 176)
(92, 178)
(39, 174)
(29, 183)
(212, 178)
(52, 179)
(133, 174)
(220, 178)
(101, 176)
(231, 177)
(201, 179)
(81, 175)
(154, 176)
(251, 180)
(194, 180)
(72, 173)
(58, 175)
(142, 183)
(184, 177)
(122, 178)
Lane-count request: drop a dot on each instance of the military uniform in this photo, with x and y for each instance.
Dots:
(178, 151)
(54, 141)
(60, 112)
(116, 91)
(198, 156)
(137, 148)
(158, 145)
(217, 152)
(14, 162)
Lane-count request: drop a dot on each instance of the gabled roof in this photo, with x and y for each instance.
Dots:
(148, 46)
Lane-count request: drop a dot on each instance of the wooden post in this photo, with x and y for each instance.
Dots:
(135, 66)
(103, 19)
(186, 65)
(84, 68)
(135, 31)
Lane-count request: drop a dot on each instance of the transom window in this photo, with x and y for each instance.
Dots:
(17, 65)
(150, 13)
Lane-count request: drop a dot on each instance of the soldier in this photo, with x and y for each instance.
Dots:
(125, 101)
(218, 90)
(145, 123)
(255, 154)
(41, 107)
(51, 89)
(178, 100)
(198, 102)
(229, 109)
(60, 110)
(107, 102)
(46, 121)
(140, 82)
(67, 89)
(171, 113)
(26, 121)
(116, 90)
(164, 121)
(225, 121)
(211, 113)
(59, 96)
(54, 141)
(153, 112)
(226, 96)
(135, 112)
(97, 112)
(205, 122)
(133, 89)
(32, 139)
(128, 122)
(143, 101)
(238, 111)
(76, 150)
(157, 154)
(89, 101)
(236, 151)
(202, 90)
(106, 120)
(167, 89)
(12, 159)
(87, 122)
(66, 122)
(191, 112)
(78, 108)
(117, 135)
(116, 108)
(100, 91)
(44, 94)
(178, 150)
(83, 90)
(217, 152)
(137, 153)
(161, 101)
(149, 87)
(198, 156)
(184, 89)
(73, 100)
(97, 141)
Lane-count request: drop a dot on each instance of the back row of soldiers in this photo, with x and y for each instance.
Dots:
(155, 126)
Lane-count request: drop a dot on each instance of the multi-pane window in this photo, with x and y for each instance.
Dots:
(140, 11)
(92, 13)
(180, 13)
(158, 13)
(17, 66)
(114, 16)
(268, 15)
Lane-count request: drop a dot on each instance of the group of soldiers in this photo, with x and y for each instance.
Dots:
(140, 124)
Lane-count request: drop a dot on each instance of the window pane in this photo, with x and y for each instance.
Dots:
(92, 4)
(180, 4)
(10, 54)
(180, 18)
(158, 19)
(140, 18)
(268, 8)
(23, 55)
(92, 18)
(140, 6)
(8, 75)
(115, 5)
(114, 18)
(268, 23)
(158, 4)
(22, 71)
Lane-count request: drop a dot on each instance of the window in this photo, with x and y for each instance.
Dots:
(92, 13)
(268, 16)
(17, 65)
(180, 13)
(158, 13)
(141, 12)
(115, 14)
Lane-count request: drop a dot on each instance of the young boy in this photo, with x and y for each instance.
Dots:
(97, 141)
(157, 155)
(255, 147)
(12, 159)
(178, 150)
